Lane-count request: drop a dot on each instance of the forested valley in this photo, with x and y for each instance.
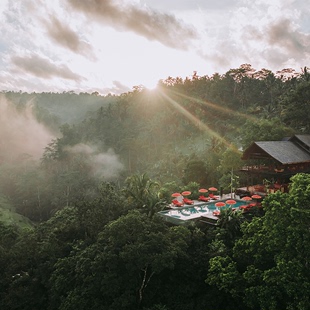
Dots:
(82, 177)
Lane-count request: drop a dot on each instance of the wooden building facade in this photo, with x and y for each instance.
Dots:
(271, 164)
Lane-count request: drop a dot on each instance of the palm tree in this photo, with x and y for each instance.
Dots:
(143, 192)
(231, 221)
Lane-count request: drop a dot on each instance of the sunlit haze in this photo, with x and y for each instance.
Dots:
(111, 46)
(20, 132)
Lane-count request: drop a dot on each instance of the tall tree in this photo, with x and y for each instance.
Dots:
(269, 266)
(143, 193)
(296, 106)
(117, 271)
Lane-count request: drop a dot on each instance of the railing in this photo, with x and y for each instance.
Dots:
(258, 168)
(272, 169)
(262, 189)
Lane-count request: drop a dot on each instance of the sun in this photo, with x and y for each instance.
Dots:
(150, 84)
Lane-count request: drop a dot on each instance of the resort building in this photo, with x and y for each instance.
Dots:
(271, 164)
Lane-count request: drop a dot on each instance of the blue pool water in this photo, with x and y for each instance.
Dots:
(199, 209)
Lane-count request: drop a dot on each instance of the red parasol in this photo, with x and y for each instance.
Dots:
(220, 204)
(246, 198)
(186, 193)
(231, 201)
(203, 190)
(256, 196)
(213, 189)
(176, 195)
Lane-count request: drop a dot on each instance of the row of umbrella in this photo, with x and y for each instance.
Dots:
(220, 203)
(201, 190)
(232, 201)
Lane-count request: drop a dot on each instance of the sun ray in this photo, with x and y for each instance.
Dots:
(216, 107)
(196, 121)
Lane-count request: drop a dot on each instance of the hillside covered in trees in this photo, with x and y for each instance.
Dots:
(85, 174)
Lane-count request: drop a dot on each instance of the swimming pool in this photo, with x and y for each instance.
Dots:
(180, 215)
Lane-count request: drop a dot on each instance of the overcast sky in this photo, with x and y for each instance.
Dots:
(113, 45)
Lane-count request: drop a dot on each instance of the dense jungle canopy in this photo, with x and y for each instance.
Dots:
(78, 223)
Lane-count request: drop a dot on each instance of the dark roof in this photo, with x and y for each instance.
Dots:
(285, 152)
(302, 139)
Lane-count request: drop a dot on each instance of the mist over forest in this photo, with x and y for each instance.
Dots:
(187, 130)
(82, 177)
(20, 132)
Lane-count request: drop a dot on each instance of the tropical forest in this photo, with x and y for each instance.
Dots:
(83, 177)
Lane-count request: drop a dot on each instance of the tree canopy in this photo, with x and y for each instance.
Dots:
(93, 237)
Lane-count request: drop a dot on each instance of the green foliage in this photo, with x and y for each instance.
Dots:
(230, 160)
(59, 108)
(98, 245)
(300, 191)
(167, 189)
(230, 163)
(9, 216)
(143, 193)
(118, 270)
(230, 221)
(265, 130)
(193, 187)
(271, 258)
(157, 307)
(223, 273)
(179, 133)
(195, 171)
(296, 107)
(229, 182)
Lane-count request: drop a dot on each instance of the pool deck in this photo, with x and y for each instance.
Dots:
(199, 210)
(199, 203)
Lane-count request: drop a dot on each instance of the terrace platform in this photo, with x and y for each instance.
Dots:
(198, 211)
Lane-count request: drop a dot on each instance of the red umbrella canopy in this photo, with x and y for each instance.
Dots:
(220, 204)
(213, 189)
(256, 196)
(203, 190)
(246, 198)
(176, 195)
(186, 193)
(231, 201)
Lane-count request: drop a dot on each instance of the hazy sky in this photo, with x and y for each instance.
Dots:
(113, 45)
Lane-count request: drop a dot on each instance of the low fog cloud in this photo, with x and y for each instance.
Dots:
(153, 25)
(20, 132)
(105, 165)
(44, 68)
(67, 38)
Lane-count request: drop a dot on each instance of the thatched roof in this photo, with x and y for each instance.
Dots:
(293, 151)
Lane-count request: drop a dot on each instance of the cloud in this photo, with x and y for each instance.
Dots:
(153, 25)
(20, 132)
(117, 89)
(44, 68)
(105, 165)
(177, 5)
(284, 35)
(258, 33)
(281, 42)
(67, 38)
